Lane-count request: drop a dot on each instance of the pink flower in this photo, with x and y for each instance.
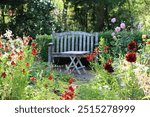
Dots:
(113, 20)
(122, 25)
(113, 34)
(117, 29)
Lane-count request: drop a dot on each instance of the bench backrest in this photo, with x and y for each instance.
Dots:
(74, 41)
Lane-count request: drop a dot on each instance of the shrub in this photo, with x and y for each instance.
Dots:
(42, 45)
(119, 43)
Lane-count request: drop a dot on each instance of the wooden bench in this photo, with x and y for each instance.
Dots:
(73, 44)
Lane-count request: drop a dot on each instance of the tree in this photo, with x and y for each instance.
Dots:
(31, 17)
(94, 15)
(34, 18)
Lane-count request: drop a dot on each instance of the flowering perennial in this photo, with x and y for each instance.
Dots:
(108, 67)
(70, 92)
(131, 57)
(132, 46)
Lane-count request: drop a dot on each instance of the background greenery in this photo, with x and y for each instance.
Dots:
(32, 17)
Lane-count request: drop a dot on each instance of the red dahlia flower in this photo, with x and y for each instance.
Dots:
(12, 54)
(3, 75)
(71, 88)
(132, 45)
(27, 64)
(96, 50)
(71, 80)
(131, 57)
(69, 94)
(20, 57)
(23, 70)
(90, 57)
(106, 48)
(33, 79)
(50, 77)
(34, 51)
(108, 67)
(20, 52)
(109, 61)
(1, 45)
(33, 44)
(13, 63)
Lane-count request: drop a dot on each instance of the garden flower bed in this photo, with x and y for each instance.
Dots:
(24, 76)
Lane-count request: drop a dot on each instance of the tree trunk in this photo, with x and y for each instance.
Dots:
(100, 15)
(64, 17)
(3, 14)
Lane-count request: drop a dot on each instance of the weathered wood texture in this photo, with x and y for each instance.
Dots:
(71, 41)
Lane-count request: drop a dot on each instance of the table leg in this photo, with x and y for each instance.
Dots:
(74, 64)
(78, 60)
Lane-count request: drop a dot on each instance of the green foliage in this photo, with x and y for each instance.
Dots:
(45, 90)
(14, 82)
(118, 45)
(122, 84)
(42, 45)
(36, 19)
(30, 17)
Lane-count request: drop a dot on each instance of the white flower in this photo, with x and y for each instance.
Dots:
(100, 88)
(122, 25)
(8, 34)
(113, 20)
(113, 34)
(106, 87)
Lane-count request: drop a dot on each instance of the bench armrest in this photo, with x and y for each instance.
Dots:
(51, 44)
(50, 51)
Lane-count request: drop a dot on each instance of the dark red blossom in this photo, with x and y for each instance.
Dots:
(131, 56)
(90, 57)
(12, 54)
(33, 79)
(108, 67)
(9, 57)
(13, 63)
(33, 44)
(1, 45)
(50, 77)
(106, 48)
(69, 94)
(23, 70)
(71, 88)
(34, 51)
(132, 46)
(3, 75)
(109, 61)
(71, 80)
(27, 64)
(20, 57)
(20, 52)
(96, 50)
(30, 38)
